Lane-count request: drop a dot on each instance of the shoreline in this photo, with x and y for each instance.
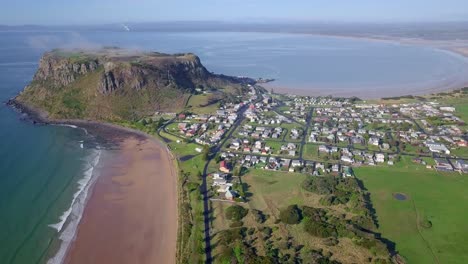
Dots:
(458, 48)
(138, 150)
(370, 94)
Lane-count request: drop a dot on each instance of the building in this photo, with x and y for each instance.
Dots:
(443, 165)
(224, 167)
(437, 147)
(380, 158)
(461, 166)
(374, 141)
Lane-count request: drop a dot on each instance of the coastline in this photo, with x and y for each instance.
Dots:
(369, 93)
(458, 48)
(132, 204)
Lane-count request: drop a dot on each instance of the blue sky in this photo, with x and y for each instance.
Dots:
(110, 11)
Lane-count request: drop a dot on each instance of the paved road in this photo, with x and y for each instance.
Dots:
(204, 187)
(217, 148)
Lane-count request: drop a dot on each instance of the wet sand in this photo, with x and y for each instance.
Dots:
(131, 216)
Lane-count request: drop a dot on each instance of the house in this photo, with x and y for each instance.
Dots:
(379, 157)
(374, 141)
(235, 144)
(224, 167)
(437, 147)
(336, 168)
(296, 163)
(219, 182)
(285, 163)
(347, 159)
(291, 146)
(230, 195)
(461, 166)
(182, 126)
(447, 109)
(443, 165)
(323, 148)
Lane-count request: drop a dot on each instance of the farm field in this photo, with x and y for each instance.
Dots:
(440, 198)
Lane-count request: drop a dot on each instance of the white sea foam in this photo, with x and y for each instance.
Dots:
(73, 126)
(67, 125)
(72, 216)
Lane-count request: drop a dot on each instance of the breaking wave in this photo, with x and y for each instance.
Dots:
(70, 219)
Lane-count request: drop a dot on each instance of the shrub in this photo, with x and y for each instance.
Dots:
(267, 232)
(319, 229)
(291, 215)
(226, 237)
(236, 212)
(258, 216)
(236, 224)
(425, 223)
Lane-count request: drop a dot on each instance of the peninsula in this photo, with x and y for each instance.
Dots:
(251, 176)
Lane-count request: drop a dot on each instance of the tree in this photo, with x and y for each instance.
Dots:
(258, 216)
(291, 215)
(206, 152)
(236, 171)
(236, 212)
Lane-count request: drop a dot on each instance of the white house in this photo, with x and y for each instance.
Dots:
(437, 147)
(379, 157)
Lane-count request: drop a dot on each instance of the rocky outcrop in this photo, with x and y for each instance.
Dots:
(129, 71)
(118, 84)
(59, 71)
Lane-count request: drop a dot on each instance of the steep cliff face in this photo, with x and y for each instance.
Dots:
(60, 72)
(118, 84)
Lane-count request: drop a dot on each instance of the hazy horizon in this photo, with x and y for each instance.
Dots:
(88, 12)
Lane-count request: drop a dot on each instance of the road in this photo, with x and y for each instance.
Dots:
(217, 148)
(204, 186)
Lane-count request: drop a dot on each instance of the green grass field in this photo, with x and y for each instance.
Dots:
(439, 197)
(201, 99)
(311, 152)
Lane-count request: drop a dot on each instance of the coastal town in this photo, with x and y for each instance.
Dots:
(322, 136)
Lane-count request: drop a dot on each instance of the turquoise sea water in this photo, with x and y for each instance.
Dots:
(40, 166)
(43, 168)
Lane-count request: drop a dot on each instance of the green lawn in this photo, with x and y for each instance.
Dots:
(201, 99)
(311, 152)
(440, 198)
(273, 190)
(460, 152)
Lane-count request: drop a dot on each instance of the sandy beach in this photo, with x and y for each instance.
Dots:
(131, 216)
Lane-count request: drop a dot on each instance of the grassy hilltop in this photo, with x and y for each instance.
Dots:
(113, 84)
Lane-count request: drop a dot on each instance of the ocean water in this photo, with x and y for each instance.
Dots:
(322, 65)
(44, 170)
